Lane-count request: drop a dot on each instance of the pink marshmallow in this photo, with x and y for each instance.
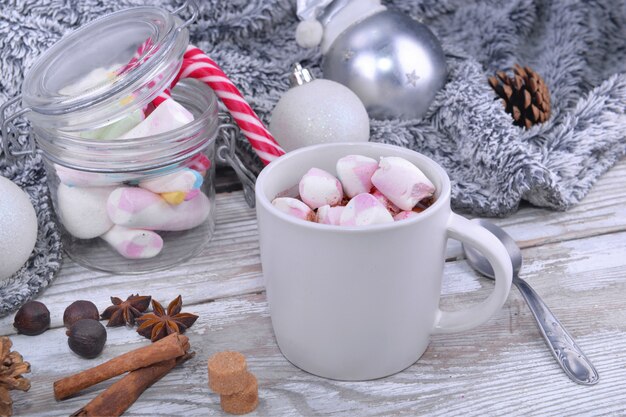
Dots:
(364, 209)
(405, 215)
(393, 209)
(134, 243)
(294, 207)
(318, 188)
(402, 182)
(355, 173)
(137, 208)
(329, 215)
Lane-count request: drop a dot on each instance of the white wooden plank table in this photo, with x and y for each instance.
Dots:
(576, 261)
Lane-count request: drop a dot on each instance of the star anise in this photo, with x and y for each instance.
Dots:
(125, 312)
(161, 323)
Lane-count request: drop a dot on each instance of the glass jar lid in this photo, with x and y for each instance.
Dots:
(105, 69)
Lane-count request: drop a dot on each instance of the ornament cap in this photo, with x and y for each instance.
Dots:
(300, 76)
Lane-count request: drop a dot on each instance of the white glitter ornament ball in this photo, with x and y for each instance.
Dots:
(18, 228)
(318, 111)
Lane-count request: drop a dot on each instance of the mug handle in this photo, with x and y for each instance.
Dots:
(462, 229)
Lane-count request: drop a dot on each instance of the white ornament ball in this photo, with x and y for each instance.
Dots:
(309, 33)
(18, 228)
(320, 111)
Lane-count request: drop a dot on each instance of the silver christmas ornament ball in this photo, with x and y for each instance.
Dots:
(393, 63)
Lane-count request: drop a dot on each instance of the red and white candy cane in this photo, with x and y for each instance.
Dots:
(199, 66)
(144, 49)
(141, 55)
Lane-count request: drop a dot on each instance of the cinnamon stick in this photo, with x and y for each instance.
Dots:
(121, 395)
(169, 347)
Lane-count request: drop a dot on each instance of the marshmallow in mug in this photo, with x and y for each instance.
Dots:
(402, 182)
(363, 210)
(355, 173)
(319, 188)
(329, 215)
(294, 207)
(390, 191)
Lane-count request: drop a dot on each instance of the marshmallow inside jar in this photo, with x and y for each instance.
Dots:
(130, 164)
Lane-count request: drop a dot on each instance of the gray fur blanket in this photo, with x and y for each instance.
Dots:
(579, 47)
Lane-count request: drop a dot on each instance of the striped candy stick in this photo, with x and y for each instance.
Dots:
(141, 55)
(163, 95)
(137, 56)
(199, 66)
(196, 64)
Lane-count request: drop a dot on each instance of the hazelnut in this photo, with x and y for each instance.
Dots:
(32, 318)
(79, 310)
(87, 338)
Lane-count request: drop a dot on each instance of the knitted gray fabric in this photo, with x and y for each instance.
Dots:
(578, 47)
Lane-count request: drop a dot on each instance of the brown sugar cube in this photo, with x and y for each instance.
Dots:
(227, 372)
(242, 402)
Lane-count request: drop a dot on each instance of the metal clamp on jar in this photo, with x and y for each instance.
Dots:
(132, 184)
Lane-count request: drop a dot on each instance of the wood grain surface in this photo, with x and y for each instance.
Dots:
(576, 261)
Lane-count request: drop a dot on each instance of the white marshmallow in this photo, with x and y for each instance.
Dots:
(294, 207)
(329, 215)
(136, 208)
(318, 188)
(134, 243)
(364, 209)
(355, 173)
(83, 211)
(168, 116)
(402, 182)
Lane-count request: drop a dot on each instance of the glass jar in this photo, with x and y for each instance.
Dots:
(130, 205)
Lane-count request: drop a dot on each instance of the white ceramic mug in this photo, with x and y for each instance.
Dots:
(358, 303)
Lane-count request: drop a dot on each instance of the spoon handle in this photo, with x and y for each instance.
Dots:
(563, 347)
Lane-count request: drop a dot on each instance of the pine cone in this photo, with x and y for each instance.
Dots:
(525, 95)
(12, 366)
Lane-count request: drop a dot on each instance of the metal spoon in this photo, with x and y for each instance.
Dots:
(562, 345)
